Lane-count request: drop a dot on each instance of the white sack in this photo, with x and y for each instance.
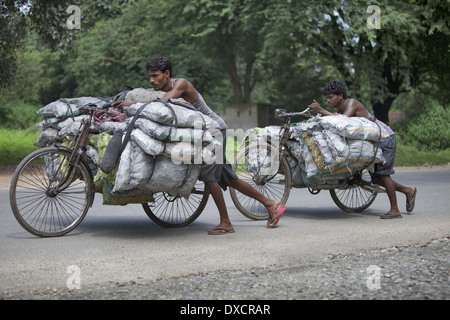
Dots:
(354, 127)
(148, 145)
(185, 118)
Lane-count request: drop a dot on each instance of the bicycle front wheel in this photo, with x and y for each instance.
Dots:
(44, 200)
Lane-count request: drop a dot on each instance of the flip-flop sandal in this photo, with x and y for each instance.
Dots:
(280, 210)
(271, 223)
(410, 205)
(219, 231)
(390, 215)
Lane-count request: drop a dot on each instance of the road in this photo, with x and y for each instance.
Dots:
(121, 244)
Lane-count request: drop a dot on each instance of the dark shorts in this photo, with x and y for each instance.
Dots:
(388, 147)
(221, 173)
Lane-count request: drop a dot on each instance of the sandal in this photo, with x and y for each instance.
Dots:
(272, 222)
(219, 231)
(410, 205)
(390, 215)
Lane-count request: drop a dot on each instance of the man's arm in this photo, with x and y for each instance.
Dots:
(351, 108)
(317, 108)
(182, 89)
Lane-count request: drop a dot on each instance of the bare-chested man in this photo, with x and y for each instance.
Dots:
(336, 95)
(216, 176)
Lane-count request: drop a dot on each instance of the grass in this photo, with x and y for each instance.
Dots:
(406, 156)
(16, 145)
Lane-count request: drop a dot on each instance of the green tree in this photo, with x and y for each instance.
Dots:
(390, 60)
(244, 37)
(13, 29)
(48, 19)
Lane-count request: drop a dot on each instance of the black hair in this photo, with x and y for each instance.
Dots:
(335, 87)
(160, 63)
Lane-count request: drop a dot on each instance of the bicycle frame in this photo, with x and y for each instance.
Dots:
(77, 148)
(284, 133)
(283, 115)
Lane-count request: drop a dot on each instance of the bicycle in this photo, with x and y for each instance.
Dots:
(53, 188)
(353, 192)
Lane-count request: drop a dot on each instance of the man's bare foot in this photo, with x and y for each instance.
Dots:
(275, 211)
(391, 215)
(219, 230)
(272, 208)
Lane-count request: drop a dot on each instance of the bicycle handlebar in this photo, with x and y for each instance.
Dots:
(91, 107)
(281, 113)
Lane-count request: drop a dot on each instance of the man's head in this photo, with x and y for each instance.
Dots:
(160, 71)
(334, 91)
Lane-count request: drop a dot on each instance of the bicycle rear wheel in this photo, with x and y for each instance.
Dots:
(173, 212)
(356, 197)
(37, 201)
(260, 166)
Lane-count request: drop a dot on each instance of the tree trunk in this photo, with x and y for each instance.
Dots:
(247, 82)
(234, 78)
(381, 112)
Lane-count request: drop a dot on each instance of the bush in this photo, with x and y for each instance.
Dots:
(431, 130)
(18, 115)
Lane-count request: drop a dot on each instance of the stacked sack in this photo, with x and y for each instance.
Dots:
(327, 149)
(337, 144)
(62, 119)
(166, 147)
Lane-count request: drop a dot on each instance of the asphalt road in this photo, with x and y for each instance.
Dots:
(122, 245)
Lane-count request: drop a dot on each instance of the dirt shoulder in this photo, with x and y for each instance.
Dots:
(6, 172)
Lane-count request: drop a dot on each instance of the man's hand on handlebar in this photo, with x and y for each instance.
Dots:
(316, 107)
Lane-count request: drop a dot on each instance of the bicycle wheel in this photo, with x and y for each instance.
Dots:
(174, 212)
(356, 197)
(260, 166)
(39, 205)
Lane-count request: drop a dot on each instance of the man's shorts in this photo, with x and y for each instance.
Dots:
(220, 172)
(388, 147)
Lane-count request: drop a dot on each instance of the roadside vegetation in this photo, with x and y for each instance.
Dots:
(266, 52)
(423, 142)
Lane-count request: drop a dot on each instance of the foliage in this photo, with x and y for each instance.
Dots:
(115, 52)
(13, 30)
(278, 52)
(406, 156)
(431, 130)
(49, 20)
(379, 64)
(16, 114)
(16, 145)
